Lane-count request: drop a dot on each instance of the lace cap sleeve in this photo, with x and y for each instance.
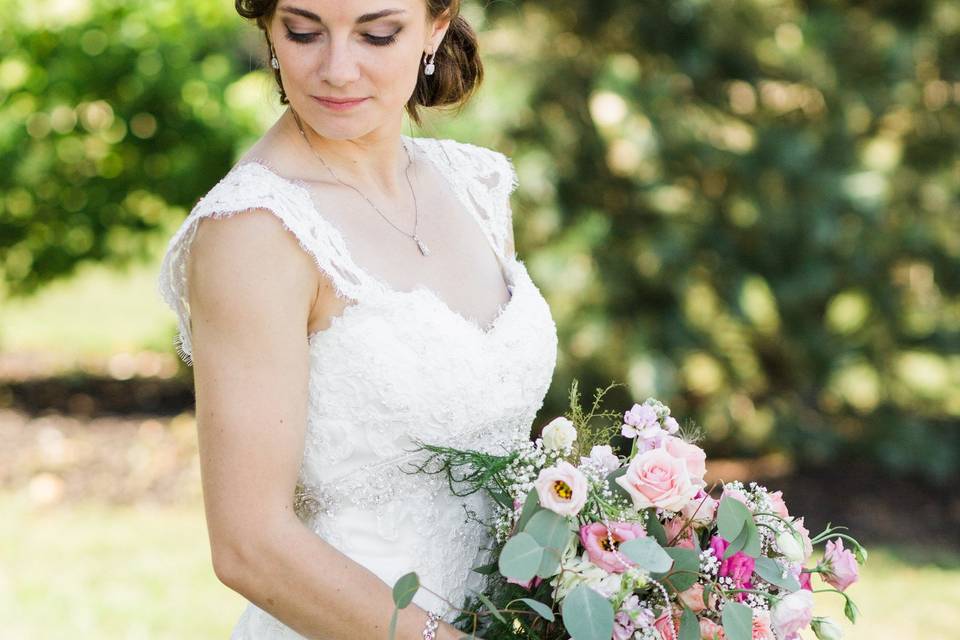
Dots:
(489, 177)
(253, 186)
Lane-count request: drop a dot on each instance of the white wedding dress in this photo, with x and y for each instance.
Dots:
(396, 366)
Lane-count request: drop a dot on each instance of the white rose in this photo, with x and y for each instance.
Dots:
(790, 547)
(559, 434)
(827, 629)
(792, 613)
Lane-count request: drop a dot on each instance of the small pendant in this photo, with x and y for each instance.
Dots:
(423, 248)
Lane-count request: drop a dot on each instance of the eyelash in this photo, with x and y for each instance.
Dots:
(378, 41)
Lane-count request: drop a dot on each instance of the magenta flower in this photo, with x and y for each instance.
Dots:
(738, 567)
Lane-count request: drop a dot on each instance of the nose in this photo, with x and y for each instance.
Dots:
(339, 66)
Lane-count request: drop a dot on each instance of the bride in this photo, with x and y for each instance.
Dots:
(341, 292)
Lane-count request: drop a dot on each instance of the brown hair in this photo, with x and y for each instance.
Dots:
(458, 70)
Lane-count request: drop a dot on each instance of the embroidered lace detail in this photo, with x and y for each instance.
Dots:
(393, 368)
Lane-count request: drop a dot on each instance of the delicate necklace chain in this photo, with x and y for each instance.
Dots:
(416, 216)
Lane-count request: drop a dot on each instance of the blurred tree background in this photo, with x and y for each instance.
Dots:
(747, 208)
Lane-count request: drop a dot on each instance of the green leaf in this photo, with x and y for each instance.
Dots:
(520, 557)
(737, 621)
(491, 607)
(647, 554)
(587, 615)
(530, 506)
(772, 572)
(501, 497)
(689, 626)
(655, 528)
(685, 570)
(392, 631)
(486, 569)
(543, 610)
(552, 532)
(732, 517)
(851, 610)
(405, 588)
(737, 544)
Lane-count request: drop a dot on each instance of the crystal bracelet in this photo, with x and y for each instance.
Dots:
(430, 629)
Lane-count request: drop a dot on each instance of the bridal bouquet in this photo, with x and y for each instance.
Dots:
(593, 545)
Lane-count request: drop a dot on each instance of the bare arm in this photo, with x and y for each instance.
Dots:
(251, 290)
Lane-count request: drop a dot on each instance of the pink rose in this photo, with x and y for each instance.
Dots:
(562, 489)
(840, 565)
(791, 614)
(673, 528)
(692, 455)
(595, 541)
(692, 598)
(805, 581)
(656, 478)
(665, 626)
(804, 538)
(738, 567)
(779, 506)
(710, 630)
(533, 582)
(701, 510)
(761, 626)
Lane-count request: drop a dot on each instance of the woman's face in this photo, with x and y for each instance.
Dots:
(371, 50)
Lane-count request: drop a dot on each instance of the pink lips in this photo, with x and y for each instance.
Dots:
(339, 104)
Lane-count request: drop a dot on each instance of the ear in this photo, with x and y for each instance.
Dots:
(439, 29)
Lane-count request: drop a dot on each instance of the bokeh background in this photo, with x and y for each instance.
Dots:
(748, 209)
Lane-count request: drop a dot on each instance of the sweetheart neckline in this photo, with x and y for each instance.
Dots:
(482, 332)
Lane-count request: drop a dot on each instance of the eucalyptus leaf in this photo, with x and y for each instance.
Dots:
(689, 626)
(405, 588)
(737, 621)
(683, 573)
(647, 554)
(520, 557)
(771, 571)
(737, 544)
(587, 615)
(542, 610)
(530, 506)
(655, 527)
(732, 517)
(615, 486)
(549, 529)
(491, 607)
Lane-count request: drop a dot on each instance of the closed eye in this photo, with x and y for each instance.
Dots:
(380, 41)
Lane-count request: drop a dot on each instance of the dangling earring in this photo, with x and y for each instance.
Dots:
(274, 62)
(428, 64)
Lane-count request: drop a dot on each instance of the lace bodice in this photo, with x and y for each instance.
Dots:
(394, 367)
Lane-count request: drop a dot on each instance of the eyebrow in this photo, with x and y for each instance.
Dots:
(367, 17)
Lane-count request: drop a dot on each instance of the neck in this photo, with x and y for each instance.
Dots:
(375, 161)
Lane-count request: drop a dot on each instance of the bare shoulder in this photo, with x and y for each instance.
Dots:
(248, 277)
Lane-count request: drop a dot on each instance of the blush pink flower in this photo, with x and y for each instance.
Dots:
(665, 625)
(791, 614)
(779, 506)
(701, 510)
(594, 538)
(692, 598)
(688, 540)
(692, 455)
(656, 478)
(840, 565)
(762, 629)
(710, 630)
(562, 489)
(805, 581)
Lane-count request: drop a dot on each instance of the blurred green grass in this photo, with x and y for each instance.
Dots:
(98, 571)
(95, 571)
